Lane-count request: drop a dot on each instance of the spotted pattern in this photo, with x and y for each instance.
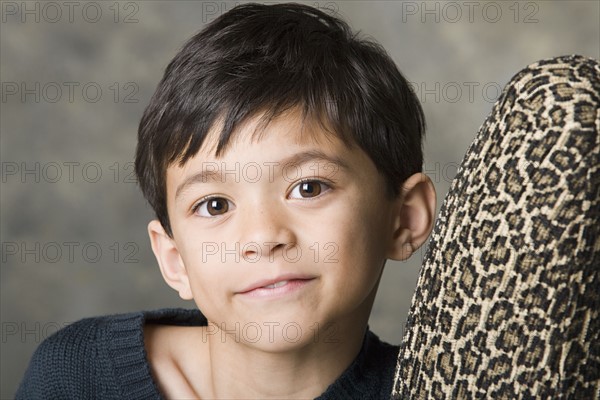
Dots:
(507, 304)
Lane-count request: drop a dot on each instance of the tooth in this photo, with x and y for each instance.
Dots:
(276, 285)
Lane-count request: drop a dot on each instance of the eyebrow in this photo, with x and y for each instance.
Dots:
(212, 175)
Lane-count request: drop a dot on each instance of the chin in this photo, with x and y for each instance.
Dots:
(281, 345)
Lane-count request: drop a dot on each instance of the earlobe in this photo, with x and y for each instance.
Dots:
(169, 260)
(414, 216)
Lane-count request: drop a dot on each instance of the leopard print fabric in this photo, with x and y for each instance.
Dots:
(508, 297)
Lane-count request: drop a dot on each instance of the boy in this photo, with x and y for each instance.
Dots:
(282, 156)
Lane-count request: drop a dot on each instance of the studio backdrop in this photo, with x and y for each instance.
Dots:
(76, 77)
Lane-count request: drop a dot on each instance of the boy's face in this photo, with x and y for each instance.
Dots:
(309, 217)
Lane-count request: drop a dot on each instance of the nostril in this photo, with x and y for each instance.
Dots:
(253, 252)
(273, 246)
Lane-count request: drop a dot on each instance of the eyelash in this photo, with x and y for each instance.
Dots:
(328, 184)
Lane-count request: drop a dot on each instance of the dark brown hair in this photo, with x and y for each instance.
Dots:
(270, 58)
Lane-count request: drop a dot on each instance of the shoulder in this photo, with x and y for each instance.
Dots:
(63, 360)
(380, 365)
(371, 375)
(377, 349)
(90, 358)
(79, 340)
(73, 341)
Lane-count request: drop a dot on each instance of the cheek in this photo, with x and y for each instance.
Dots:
(361, 226)
(359, 237)
(208, 281)
(209, 296)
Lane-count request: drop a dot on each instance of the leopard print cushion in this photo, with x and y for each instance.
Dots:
(508, 297)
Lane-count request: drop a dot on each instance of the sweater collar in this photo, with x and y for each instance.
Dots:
(368, 376)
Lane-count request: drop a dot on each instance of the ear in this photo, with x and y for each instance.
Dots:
(414, 216)
(169, 260)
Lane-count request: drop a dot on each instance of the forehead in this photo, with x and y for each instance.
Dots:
(257, 139)
(284, 141)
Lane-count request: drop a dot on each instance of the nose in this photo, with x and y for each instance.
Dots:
(266, 231)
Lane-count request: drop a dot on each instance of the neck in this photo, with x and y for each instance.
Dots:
(303, 372)
(233, 369)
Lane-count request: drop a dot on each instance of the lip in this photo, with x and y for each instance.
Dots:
(294, 281)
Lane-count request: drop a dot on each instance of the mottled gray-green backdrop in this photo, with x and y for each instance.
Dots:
(76, 77)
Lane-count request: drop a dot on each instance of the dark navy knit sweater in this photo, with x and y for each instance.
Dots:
(104, 358)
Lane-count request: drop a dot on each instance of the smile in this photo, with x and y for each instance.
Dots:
(277, 287)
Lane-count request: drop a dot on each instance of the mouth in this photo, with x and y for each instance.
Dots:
(277, 286)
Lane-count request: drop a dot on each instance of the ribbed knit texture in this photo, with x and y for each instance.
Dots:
(104, 358)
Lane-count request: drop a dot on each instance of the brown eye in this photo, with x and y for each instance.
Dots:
(308, 189)
(212, 207)
(217, 206)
